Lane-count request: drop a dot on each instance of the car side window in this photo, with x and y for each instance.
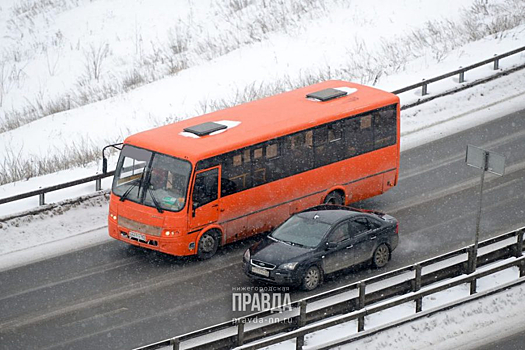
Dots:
(358, 226)
(340, 233)
(373, 224)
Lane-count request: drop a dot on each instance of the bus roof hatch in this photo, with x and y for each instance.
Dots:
(327, 94)
(205, 128)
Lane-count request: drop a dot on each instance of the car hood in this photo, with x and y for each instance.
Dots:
(276, 252)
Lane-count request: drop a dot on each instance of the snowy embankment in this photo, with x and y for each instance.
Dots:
(467, 326)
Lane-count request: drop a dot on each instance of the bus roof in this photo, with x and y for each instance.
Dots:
(261, 120)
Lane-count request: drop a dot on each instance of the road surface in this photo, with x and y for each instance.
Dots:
(119, 297)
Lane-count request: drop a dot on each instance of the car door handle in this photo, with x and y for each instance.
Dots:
(350, 246)
(373, 237)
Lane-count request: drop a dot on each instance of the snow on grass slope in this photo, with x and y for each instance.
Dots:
(61, 55)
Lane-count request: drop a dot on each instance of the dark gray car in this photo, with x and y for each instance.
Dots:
(321, 240)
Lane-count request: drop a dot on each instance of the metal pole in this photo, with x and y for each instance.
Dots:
(478, 219)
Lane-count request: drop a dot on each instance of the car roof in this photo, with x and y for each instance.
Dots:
(329, 216)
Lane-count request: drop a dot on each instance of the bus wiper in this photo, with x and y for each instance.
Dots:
(157, 205)
(133, 184)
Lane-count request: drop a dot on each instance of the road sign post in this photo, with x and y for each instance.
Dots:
(485, 161)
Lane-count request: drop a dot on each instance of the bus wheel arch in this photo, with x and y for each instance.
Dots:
(208, 242)
(335, 196)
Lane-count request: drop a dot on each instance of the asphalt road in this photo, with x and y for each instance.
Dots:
(119, 297)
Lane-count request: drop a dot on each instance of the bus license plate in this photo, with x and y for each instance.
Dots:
(260, 271)
(136, 235)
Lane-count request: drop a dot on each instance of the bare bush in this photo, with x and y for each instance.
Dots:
(132, 80)
(4, 84)
(94, 58)
(15, 167)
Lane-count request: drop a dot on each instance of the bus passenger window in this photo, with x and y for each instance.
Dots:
(257, 153)
(309, 136)
(237, 160)
(385, 129)
(297, 141)
(272, 150)
(246, 155)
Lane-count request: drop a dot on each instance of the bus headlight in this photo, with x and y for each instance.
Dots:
(169, 233)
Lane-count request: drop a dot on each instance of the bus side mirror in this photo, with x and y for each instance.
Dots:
(105, 160)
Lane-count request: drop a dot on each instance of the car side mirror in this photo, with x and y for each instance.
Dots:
(331, 245)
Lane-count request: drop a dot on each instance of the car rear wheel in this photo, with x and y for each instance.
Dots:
(334, 197)
(381, 256)
(311, 278)
(208, 244)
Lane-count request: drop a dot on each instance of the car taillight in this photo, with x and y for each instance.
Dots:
(397, 228)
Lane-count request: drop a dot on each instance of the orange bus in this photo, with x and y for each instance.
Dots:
(189, 187)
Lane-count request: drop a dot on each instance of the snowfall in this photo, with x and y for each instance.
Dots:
(109, 62)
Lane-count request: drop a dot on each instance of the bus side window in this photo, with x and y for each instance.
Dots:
(321, 150)
(258, 167)
(385, 130)
(206, 188)
(300, 155)
(359, 135)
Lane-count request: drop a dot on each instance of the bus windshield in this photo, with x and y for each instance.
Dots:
(152, 179)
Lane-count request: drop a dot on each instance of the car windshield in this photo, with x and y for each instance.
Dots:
(147, 177)
(302, 231)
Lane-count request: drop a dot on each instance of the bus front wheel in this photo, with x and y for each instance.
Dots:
(335, 197)
(208, 244)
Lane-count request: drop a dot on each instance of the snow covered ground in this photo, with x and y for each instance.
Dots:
(464, 327)
(46, 64)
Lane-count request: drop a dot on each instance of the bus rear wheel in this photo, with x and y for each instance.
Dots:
(208, 244)
(334, 197)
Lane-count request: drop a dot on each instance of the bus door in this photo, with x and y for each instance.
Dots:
(204, 208)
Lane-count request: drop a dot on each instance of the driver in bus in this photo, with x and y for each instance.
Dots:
(159, 178)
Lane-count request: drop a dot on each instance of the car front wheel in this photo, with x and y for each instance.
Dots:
(381, 256)
(311, 278)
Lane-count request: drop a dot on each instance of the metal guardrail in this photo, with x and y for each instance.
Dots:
(359, 315)
(300, 321)
(41, 192)
(423, 85)
(459, 72)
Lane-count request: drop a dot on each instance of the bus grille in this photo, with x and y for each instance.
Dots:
(140, 227)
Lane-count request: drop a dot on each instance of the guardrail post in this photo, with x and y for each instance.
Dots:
(473, 286)
(240, 332)
(519, 244)
(360, 305)
(175, 343)
(424, 89)
(417, 286)
(302, 313)
(471, 262)
(461, 76)
(41, 199)
(496, 63)
(98, 184)
(299, 341)
(522, 268)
